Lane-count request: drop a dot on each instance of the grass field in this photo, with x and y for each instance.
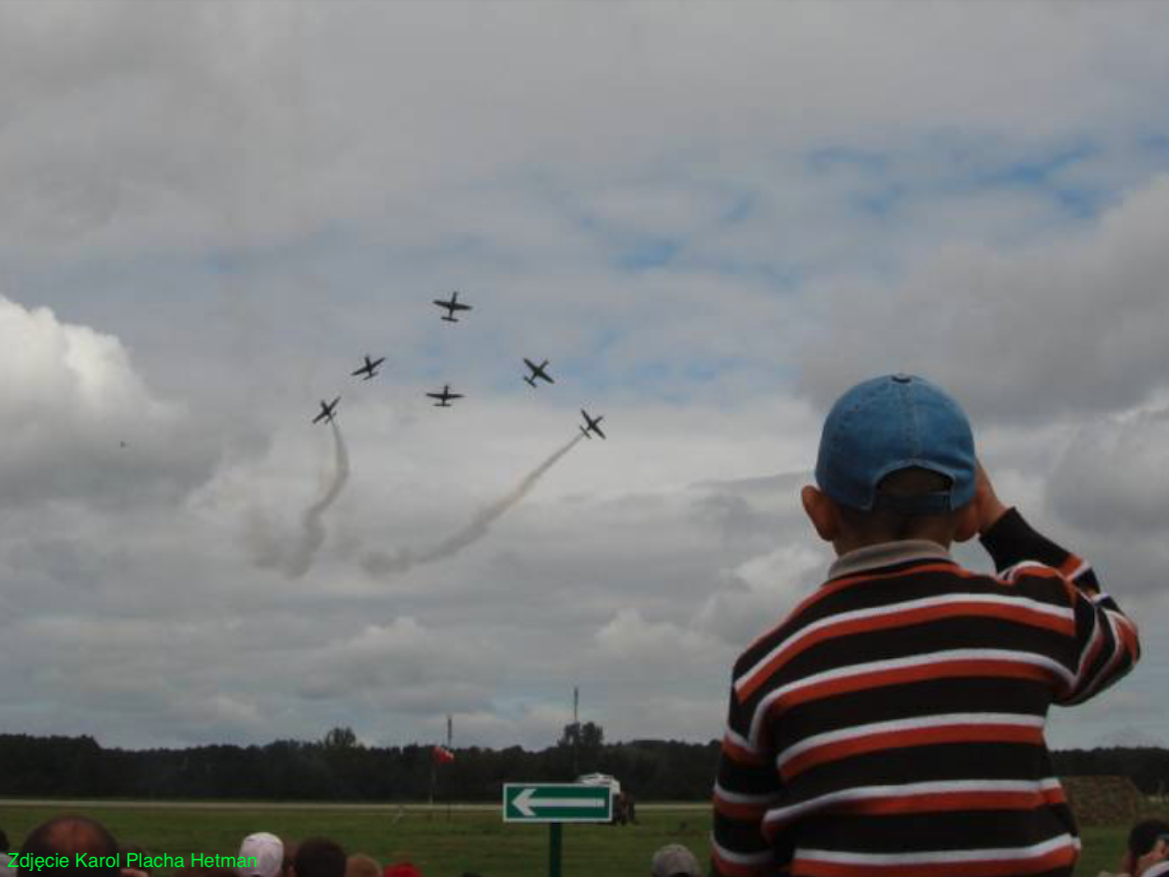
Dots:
(469, 840)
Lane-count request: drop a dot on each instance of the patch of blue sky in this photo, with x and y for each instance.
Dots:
(648, 254)
(828, 159)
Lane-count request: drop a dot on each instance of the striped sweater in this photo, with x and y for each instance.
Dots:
(892, 725)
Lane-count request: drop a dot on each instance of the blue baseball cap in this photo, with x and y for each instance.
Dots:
(891, 423)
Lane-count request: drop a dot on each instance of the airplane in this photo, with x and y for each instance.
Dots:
(369, 369)
(444, 397)
(328, 411)
(592, 425)
(537, 372)
(452, 306)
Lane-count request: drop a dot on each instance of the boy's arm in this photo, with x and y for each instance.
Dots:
(1106, 643)
(747, 784)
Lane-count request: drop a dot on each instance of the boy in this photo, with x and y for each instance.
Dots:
(892, 725)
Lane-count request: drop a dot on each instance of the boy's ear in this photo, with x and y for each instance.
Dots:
(821, 511)
(966, 526)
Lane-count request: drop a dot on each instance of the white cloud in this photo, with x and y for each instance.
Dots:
(83, 423)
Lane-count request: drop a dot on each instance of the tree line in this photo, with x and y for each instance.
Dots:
(340, 768)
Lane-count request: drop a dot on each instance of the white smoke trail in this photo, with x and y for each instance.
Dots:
(383, 565)
(296, 559)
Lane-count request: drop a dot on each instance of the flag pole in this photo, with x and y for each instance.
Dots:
(449, 738)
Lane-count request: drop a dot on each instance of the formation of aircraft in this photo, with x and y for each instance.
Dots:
(451, 306)
(537, 372)
(592, 424)
(444, 397)
(369, 369)
(328, 411)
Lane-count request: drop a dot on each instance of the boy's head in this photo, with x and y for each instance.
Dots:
(896, 462)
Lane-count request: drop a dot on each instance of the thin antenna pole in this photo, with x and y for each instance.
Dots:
(575, 731)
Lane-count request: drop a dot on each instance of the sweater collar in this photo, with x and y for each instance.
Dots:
(886, 554)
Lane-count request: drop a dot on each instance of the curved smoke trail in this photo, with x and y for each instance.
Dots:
(383, 565)
(296, 559)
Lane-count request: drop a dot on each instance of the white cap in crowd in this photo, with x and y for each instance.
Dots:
(268, 852)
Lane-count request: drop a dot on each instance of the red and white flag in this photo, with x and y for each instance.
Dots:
(442, 755)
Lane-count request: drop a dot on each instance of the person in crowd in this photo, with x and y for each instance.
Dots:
(265, 851)
(1143, 852)
(319, 857)
(290, 847)
(67, 835)
(361, 865)
(402, 869)
(894, 722)
(674, 860)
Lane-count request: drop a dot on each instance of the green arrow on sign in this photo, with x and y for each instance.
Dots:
(557, 802)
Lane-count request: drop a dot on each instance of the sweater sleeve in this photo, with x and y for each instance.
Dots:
(747, 784)
(1106, 645)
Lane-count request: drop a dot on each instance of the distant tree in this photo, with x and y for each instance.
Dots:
(340, 738)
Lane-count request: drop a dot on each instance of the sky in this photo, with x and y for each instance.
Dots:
(712, 219)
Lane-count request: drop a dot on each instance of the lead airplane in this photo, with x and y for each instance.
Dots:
(537, 372)
(369, 369)
(328, 411)
(444, 397)
(592, 425)
(452, 306)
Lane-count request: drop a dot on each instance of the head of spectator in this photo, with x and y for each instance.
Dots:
(290, 848)
(896, 462)
(1141, 840)
(136, 850)
(674, 860)
(319, 857)
(265, 852)
(361, 865)
(68, 835)
(402, 869)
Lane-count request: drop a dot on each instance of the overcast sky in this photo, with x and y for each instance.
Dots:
(711, 218)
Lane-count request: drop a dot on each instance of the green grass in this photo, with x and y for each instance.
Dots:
(441, 847)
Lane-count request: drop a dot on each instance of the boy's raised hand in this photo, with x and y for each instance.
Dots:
(986, 502)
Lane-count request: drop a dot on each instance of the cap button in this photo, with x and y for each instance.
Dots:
(902, 378)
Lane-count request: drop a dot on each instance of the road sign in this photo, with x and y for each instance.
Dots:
(557, 802)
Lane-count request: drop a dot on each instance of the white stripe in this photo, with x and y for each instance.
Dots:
(1118, 652)
(741, 741)
(1010, 572)
(910, 724)
(908, 790)
(907, 606)
(1082, 667)
(900, 664)
(1080, 570)
(941, 856)
(740, 798)
(766, 857)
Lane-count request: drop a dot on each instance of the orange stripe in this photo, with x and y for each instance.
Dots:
(737, 753)
(904, 675)
(1063, 857)
(750, 812)
(946, 801)
(1022, 615)
(1070, 565)
(830, 588)
(910, 738)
